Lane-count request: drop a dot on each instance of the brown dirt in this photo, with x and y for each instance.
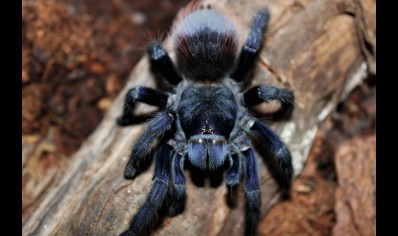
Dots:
(70, 47)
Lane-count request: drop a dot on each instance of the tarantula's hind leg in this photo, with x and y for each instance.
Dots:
(161, 62)
(281, 160)
(250, 50)
(265, 93)
(156, 197)
(177, 194)
(140, 94)
(252, 192)
(157, 127)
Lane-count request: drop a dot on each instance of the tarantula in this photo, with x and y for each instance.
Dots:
(206, 120)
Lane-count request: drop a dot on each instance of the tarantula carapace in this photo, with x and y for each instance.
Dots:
(205, 120)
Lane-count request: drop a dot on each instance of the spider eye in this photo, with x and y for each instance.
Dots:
(207, 130)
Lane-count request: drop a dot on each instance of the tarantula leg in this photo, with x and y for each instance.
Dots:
(264, 93)
(250, 50)
(157, 127)
(177, 197)
(161, 61)
(281, 158)
(156, 197)
(252, 192)
(140, 94)
(234, 172)
(232, 179)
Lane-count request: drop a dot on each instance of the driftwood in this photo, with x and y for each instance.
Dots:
(318, 48)
(356, 194)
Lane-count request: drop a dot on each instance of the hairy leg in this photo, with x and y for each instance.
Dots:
(281, 159)
(161, 62)
(250, 50)
(156, 197)
(252, 192)
(177, 195)
(232, 179)
(234, 172)
(157, 127)
(140, 94)
(265, 93)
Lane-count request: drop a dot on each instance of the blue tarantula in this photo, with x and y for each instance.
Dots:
(206, 120)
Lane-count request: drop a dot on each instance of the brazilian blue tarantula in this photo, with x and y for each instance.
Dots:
(206, 120)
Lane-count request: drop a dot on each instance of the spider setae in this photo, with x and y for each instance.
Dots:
(206, 120)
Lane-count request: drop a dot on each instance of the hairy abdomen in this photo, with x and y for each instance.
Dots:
(205, 42)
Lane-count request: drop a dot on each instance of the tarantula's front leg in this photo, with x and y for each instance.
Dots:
(265, 93)
(157, 195)
(234, 172)
(157, 127)
(250, 50)
(140, 94)
(177, 194)
(252, 192)
(232, 178)
(281, 158)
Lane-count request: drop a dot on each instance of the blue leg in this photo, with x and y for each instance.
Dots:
(177, 197)
(233, 178)
(148, 212)
(140, 94)
(234, 172)
(264, 93)
(157, 127)
(252, 192)
(250, 50)
(161, 62)
(281, 159)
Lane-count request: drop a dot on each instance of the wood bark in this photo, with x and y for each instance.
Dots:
(356, 195)
(321, 49)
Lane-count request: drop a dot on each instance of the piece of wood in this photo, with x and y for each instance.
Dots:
(312, 47)
(356, 195)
